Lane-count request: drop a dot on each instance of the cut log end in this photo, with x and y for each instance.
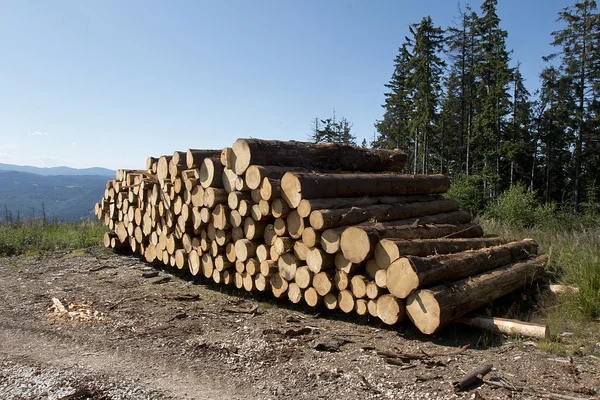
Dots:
(355, 244)
(401, 278)
(390, 309)
(424, 311)
(291, 190)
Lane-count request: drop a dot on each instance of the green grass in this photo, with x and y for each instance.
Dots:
(33, 237)
(573, 247)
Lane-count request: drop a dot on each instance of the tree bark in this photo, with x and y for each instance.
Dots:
(307, 206)
(358, 242)
(407, 274)
(325, 219)
(330, 156)
(298, 186)
(429, 309)
(389, 250)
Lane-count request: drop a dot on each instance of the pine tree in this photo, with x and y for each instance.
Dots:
(458, 102)
(493, 76)
(393, 128)
(579, 58)
(332, 131)
(426, 69)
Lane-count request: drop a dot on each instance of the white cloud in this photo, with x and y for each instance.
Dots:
(38, 133)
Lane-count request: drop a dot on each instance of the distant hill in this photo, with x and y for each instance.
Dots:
(66, 197)
(58, 170)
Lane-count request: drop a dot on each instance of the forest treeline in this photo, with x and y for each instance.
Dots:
(458, 105)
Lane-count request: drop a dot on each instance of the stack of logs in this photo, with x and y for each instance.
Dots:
(323, 224)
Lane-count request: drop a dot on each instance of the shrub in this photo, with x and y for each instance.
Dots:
(516, 207)
(468, 191)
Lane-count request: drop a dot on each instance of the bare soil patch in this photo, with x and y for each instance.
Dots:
(174, 337)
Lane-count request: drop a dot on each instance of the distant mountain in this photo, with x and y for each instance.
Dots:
(66, 197)
(58, 170)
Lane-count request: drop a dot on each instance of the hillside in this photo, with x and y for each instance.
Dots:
(58, 170)
(67, 197)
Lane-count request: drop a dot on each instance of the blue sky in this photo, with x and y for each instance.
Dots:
(109, 83)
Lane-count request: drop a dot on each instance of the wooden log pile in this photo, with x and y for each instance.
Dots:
(329, 225)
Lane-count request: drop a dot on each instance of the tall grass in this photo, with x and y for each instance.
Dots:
(36, 235)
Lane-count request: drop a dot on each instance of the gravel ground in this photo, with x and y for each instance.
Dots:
(21, 381)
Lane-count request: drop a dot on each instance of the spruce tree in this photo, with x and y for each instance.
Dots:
(579, 43)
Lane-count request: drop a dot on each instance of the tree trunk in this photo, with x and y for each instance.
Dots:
(407, 274)
(507, 326)
(330, 156)
(325, 219)
(429, 309)
(307, 206)
(389, 250)
(390, 309)
(298, 186)
(358, 242)
(193, 158)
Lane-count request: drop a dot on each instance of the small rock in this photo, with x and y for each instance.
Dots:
(529, 344)
(566, 334)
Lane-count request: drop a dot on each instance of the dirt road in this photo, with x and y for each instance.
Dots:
(136, 338)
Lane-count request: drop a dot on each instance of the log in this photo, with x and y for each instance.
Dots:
(389, 250)
(312, 298)
(318, 260)
(390, 310)
(254, 229)
(307, 206)
(472, 377)
(283, 245)
(358, 242)
(301, 251)
(296, 186)
(280, 209)
(227, 157)
(303, 277)
(214, 196)
(194, 262)
(269, 235)
(278, 285)
(341, 280)
(342, 264)
(252, 266)
(329, 218)
(235, 219)
(194, 158)
(248, 282)
(268, 268)
(287, 264)
(372, 308)
(406, 274)
(180, 259)
(330, 301)
(245, 249)
(262, 252)
(279, 227)
(323, 282)
(234, 198)
(270, 189)
(294, 293)
(255, 174)
(310, 237)
(330, 156)
(507, 326)
(220, 217)
(346, 301)
(358, 286)
(222, 263)
(373, 291)
(429, 309)
(261, 282)
(211, 173)
(360, 307)
(162, 168)
(229, 179)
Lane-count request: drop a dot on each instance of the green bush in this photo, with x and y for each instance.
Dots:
(468, 191)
